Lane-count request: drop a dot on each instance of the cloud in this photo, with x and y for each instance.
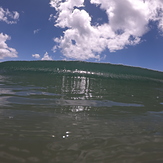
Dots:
(37, 56)
(36, 31)
(128, 21)
(46, 57)
(52, 17)
(6, 51)
(8, 16)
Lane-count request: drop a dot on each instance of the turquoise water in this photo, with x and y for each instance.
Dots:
(60, 111)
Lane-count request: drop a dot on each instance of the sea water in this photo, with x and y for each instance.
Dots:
(79, 112)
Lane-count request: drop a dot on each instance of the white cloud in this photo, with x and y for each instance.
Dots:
(6, 51)
(36, 31)
(46, 57)
(52, 17)
(8, 16)
(128, 22)
(37, 56)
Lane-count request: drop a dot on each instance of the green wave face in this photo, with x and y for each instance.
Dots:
(81, 68)
(74, 83)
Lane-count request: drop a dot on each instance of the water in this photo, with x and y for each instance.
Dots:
(78, 112)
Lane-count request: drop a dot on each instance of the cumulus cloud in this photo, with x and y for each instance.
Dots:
(37, 56)
(46, 57)
(128, 21)
(8, 16)
(6, 51)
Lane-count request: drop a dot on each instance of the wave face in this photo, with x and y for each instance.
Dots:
(82, 69)
(71, 111)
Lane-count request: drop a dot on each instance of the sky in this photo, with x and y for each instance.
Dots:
(109, 31)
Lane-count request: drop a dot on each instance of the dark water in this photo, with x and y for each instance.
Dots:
(78, 112)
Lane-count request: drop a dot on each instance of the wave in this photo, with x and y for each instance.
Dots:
(82, 69)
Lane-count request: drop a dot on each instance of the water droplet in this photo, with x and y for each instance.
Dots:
(67, 132)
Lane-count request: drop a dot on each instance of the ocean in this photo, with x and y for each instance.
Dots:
(80, 112)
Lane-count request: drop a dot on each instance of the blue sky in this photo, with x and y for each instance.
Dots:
(121, 32)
